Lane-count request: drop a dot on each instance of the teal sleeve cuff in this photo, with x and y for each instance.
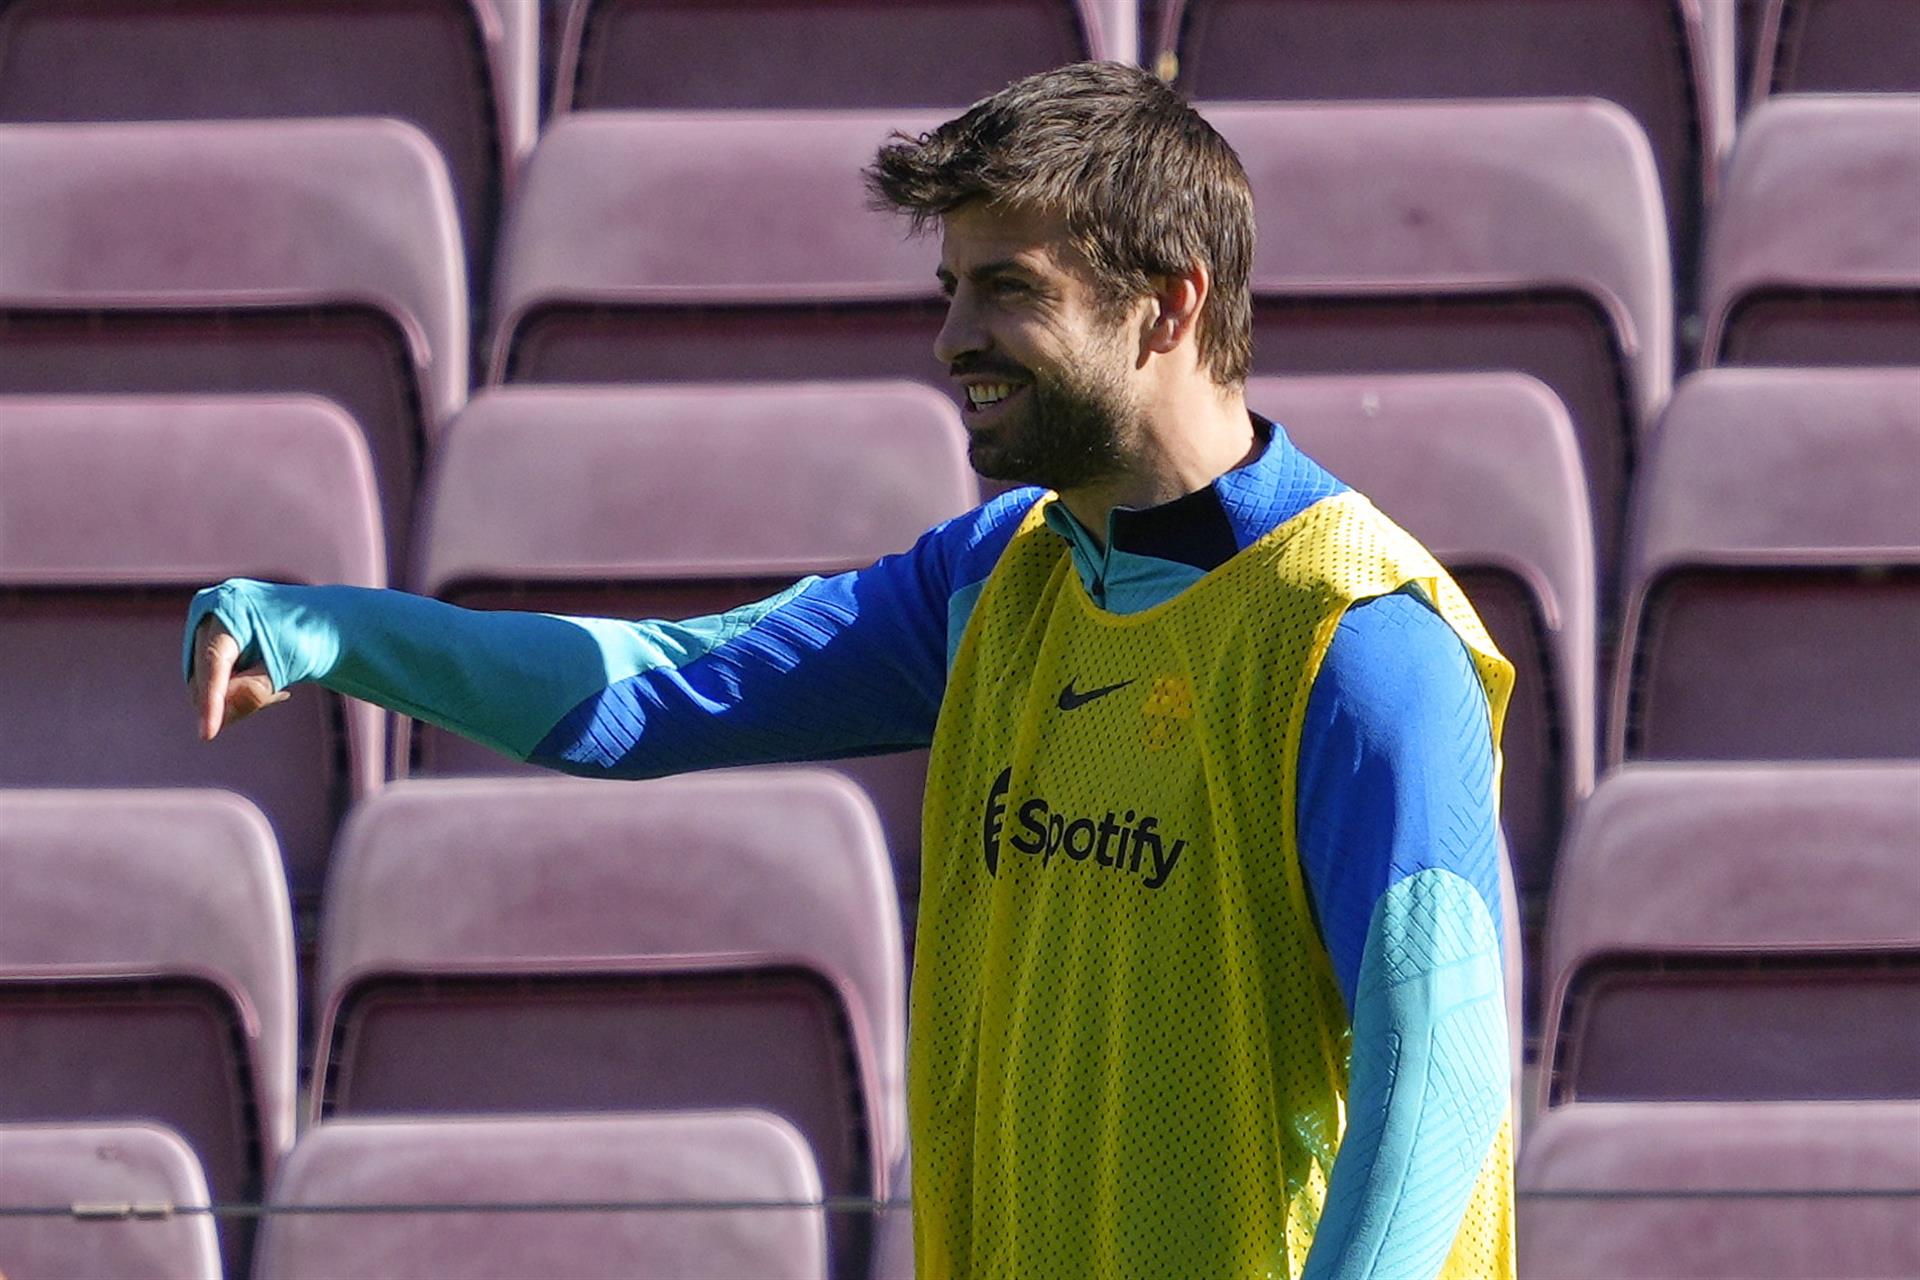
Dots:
(502, 678)
(1428, 1086)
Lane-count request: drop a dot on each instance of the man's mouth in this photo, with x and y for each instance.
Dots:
(982, 396)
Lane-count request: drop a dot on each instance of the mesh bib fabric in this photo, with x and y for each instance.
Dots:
(1128, 1050)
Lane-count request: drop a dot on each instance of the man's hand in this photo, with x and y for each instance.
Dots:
(221, 695)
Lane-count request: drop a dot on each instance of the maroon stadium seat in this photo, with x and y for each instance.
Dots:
(1722, 1191)
(1811, 256)
(112, 510)
(725, 495)
(516, 945)
(1835, 46)
(1485, 471)
(1655, 58)
(146, 973)
(706, 54)
(1407, 237)
(725, 1157)
(259, 256)
(462, 71)
(1721, 932)
(1773, 606)
(728, 246)
(104, 1165)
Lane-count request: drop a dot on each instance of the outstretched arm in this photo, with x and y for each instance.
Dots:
(1399, 842)
(838, 666)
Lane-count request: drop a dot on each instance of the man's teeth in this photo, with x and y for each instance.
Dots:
(986, 393)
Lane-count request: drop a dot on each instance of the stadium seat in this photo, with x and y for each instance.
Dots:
(1485, 471)
(1408, 237)
(1722, 1191)
(1777, 521)
(258, 256)
(112, 511)
(516, 945)
(1835, 46)
(101, 1168)
(1811, 256)
(464, 72)
(719, 496)
(733, 246)
(707, 54)
(683, 1158)
(146, 973)
(1658, 60)
(1724, 932)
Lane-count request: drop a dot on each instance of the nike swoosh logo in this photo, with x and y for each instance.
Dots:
(1071, 699)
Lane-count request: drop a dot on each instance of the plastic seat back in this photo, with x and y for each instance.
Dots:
(1700, 1191)
(462, 71)
(718, 941)
(1777, 522)
(1724, 932)
(1656, 60)
(714, 54)
(146, 973)
(724, 495)
(112, 511)
(45, 1166)
(1435, 237)
(729, 1158)
(262, 257)
(1811, 257)
(724, 247)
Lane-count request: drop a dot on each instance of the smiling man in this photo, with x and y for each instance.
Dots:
(1208, 969)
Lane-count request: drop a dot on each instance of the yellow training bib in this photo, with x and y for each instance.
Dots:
(1128, 1049)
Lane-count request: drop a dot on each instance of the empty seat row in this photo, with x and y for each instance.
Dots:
(537, 945)
(1774, 520)
(1519, 236)
(668, 1194)
(512, 946)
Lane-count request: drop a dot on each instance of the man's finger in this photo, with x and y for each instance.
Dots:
(215, 666)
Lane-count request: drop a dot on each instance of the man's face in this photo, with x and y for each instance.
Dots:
(1048, 369)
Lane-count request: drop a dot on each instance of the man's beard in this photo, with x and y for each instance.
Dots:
(1070, 433)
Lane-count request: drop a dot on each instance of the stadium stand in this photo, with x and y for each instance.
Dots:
(1664, 61)
(147, 929)
(1777, 521)
(112, 510)
(679, 501)
(1811, 256)
(721, 1157)
(464, 71)
(1714, 1191)
(707, 54)
(623, 947)
(1834, 46)
(1485, 471)
(1724, 932)
(259, 256)
(1468, 236)
(724, 246)
(144, 1167)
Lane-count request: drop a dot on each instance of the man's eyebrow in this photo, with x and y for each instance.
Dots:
(984, 270)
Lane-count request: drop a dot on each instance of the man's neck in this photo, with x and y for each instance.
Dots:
(1188, 442)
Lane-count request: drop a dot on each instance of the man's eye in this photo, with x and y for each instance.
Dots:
(1008, 288)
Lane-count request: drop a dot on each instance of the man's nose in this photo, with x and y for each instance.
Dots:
(960, 333)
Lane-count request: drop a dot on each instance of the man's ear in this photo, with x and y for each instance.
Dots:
(1176, 308)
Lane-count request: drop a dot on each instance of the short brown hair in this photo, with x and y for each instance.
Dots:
(1147, 187)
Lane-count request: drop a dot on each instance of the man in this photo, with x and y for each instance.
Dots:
(1208, 970)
